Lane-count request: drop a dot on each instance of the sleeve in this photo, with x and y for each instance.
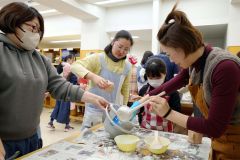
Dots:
(59, 88)
(125, 89)
(175, 69)
(88, 64)
(225, 90)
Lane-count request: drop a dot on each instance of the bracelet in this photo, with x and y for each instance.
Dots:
(168, 112)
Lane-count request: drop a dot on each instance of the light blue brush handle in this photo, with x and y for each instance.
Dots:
(136, 103)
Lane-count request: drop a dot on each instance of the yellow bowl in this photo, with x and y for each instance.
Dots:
(126, 143)
(157, 148)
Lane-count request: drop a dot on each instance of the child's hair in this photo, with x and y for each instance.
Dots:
(155, 67)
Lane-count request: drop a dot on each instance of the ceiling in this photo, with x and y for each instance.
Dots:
(120, 3)
(43, 9)
(56, 7)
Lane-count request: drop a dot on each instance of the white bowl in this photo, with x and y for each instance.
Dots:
(158, 147)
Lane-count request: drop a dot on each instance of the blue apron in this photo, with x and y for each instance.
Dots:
(93, 114)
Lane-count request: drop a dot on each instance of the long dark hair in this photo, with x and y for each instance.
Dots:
(120, 34)
(178, 32)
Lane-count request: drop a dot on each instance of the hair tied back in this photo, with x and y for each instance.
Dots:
(171, 21)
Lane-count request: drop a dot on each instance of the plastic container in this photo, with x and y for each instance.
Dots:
(114, 129)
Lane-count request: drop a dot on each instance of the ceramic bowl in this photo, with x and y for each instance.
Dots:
(156, 148)
(126, 143)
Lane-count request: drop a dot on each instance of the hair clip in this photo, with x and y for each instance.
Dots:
(171, 21)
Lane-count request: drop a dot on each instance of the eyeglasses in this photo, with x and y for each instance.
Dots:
(33, 28)
(120, 47)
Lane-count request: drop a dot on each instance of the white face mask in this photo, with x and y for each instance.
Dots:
(29, 40)
(155, 83)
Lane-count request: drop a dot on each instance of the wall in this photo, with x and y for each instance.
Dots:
(139, 48)
(215, 42)
(201, 12)
(132, 17)
(233, 32)
(62, 25)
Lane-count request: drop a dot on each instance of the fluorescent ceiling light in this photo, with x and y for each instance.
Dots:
(55, 49)
(110, 1)
(134, 37)
(66, 41)
(32, 3)
(48, 11)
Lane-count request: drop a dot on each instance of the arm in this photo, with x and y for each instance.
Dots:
(224, 97)
(89, 68)
(223, 100)
(161, 107)
(125, 89)
(59, 88)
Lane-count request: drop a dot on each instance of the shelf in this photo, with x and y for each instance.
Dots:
(76, 118)
(77, 113)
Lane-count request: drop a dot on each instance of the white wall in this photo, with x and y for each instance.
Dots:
(139, 48)
(200, 12)
(62, 25)
(233, 31)
(132, 17)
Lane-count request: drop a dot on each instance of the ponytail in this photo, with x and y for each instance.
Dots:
(178, 32)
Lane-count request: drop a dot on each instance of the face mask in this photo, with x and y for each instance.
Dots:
(155, 83)
(30, 40)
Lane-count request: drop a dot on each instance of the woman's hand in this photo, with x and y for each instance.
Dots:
(95, 100)
(99, 81)
(134, 97)
(159, 105)
(2, 151)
